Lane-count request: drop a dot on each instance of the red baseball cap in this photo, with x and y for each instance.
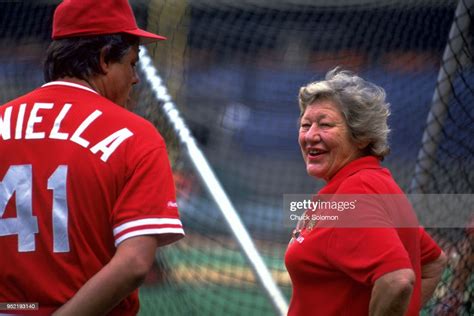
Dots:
(74, 18)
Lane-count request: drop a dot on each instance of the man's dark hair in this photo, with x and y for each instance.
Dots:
(79, 57)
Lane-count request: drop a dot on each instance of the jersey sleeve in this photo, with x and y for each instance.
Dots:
(365, 254)
(367, 245)
(147, 204)
(429, 250)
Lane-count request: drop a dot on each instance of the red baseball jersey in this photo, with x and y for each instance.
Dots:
(78, 176)
(333, 269)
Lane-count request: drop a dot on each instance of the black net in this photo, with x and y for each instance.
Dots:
(234, 69)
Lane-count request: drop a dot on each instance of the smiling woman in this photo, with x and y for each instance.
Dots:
(371, 269)
(361, 103)
(325, 140)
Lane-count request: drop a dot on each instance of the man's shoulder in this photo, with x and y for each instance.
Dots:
(18, 100)
(88, 101)
(83, 112)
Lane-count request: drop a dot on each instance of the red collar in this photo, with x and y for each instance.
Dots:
(367, 162)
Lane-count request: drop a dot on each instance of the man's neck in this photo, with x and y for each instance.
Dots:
(87, 83)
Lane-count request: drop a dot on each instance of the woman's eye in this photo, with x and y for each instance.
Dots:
(325, 124)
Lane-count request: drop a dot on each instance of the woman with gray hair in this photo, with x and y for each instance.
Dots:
(348, 268)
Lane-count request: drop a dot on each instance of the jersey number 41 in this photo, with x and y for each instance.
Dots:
(19, 180)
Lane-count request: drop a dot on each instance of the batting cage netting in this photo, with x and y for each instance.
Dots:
(233, 69)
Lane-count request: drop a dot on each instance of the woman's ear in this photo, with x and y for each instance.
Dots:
(363, 144)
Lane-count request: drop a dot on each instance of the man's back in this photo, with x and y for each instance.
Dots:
(78, 176)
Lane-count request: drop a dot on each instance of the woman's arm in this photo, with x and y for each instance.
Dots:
(391, 293)
(430, 276)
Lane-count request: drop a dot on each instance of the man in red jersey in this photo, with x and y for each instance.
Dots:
(86, 189)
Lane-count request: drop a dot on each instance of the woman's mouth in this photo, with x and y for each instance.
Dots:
(315, 153)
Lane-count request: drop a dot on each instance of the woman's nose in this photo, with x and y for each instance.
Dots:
(313, 134)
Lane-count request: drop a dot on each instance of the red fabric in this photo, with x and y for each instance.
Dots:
(110, 197)
(91, 17)
(333, 269)
(430, 251)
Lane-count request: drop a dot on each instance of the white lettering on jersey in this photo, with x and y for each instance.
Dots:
(19, 121)
(76, 137)
(55, 134)
(34, 118)
(5, 123)
(109, 144)
(172, 204)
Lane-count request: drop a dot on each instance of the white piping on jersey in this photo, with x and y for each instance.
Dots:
(150, 231)
(147, 221)
(69, 84)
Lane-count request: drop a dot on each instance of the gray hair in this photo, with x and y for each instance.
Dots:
(362, 104)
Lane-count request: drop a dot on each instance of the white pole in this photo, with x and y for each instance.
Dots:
(213, 185)
(434, 125)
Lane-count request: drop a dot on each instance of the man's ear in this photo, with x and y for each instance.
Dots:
(104, 66)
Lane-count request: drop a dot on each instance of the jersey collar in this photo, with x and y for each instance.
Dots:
(68, 84)
(367, 162)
